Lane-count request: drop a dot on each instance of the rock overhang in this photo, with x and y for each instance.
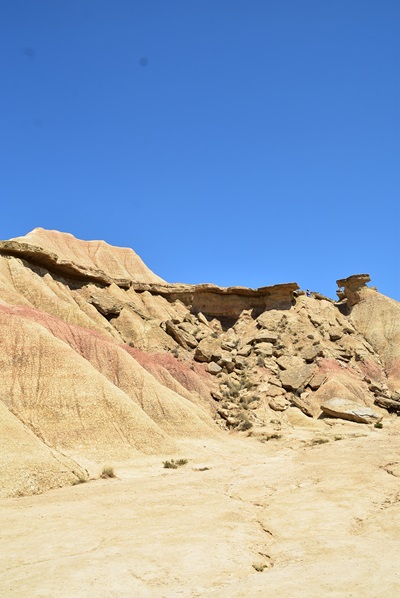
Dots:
(348, 288)
(227, 302)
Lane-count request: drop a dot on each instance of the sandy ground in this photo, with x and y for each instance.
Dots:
(288, 517)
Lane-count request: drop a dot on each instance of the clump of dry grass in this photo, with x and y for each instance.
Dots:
(319, 440)
(259, 567)
(174, 464)
(108, 472)
(81, 477)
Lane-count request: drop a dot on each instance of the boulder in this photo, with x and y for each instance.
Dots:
(302, 404)
(310, 352)
(296, 377)
(378, 389)
(271, 365)
(213, 368)
(230, 343)
(201, 317)
(389, 404)
(245, 351)
(226, 361)
(345, 409)
(208, 349)
(265, 336)
(202, 333)
(183, 338)
(274, 391)
(188, 327)
(275, 381)
(335, 333)
(279, 404)
(286, 362)
(106, 304)
(316, 381)
(343, 354)
(265, 349)
(240, 362)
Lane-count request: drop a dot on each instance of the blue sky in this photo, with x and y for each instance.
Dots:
(246, 142)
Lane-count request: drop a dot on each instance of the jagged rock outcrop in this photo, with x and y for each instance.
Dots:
(101, 359)
(377, 318)
(350, 287)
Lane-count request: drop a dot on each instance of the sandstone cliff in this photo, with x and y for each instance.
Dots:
(101, 359)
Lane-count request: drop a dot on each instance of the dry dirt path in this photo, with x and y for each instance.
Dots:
(282, 518)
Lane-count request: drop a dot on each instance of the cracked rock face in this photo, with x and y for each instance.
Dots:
(102, 358)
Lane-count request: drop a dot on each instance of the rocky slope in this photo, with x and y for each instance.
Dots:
(102, 360)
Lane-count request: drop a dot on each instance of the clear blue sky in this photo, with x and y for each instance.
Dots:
(244, 142)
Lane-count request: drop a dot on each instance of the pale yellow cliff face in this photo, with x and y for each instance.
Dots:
(116, 262)
(102, 359)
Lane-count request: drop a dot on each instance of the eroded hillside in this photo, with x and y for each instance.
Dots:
(102, 360)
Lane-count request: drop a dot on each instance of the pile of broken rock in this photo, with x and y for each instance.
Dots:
(309, 355)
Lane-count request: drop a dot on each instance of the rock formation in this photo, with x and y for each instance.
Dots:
(101, 359)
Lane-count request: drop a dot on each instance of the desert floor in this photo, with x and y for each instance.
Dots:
(314, 513)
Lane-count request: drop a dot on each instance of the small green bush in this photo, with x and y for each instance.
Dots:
(378, 425)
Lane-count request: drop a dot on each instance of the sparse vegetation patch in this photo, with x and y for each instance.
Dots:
(245, 425)
(259, 567)
(107, 472)
(81, 478)
(172, 464)
(320, 441)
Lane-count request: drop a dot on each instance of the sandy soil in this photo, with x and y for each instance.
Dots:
(287, 517)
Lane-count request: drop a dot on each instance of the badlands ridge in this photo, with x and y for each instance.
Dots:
(103, 361)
